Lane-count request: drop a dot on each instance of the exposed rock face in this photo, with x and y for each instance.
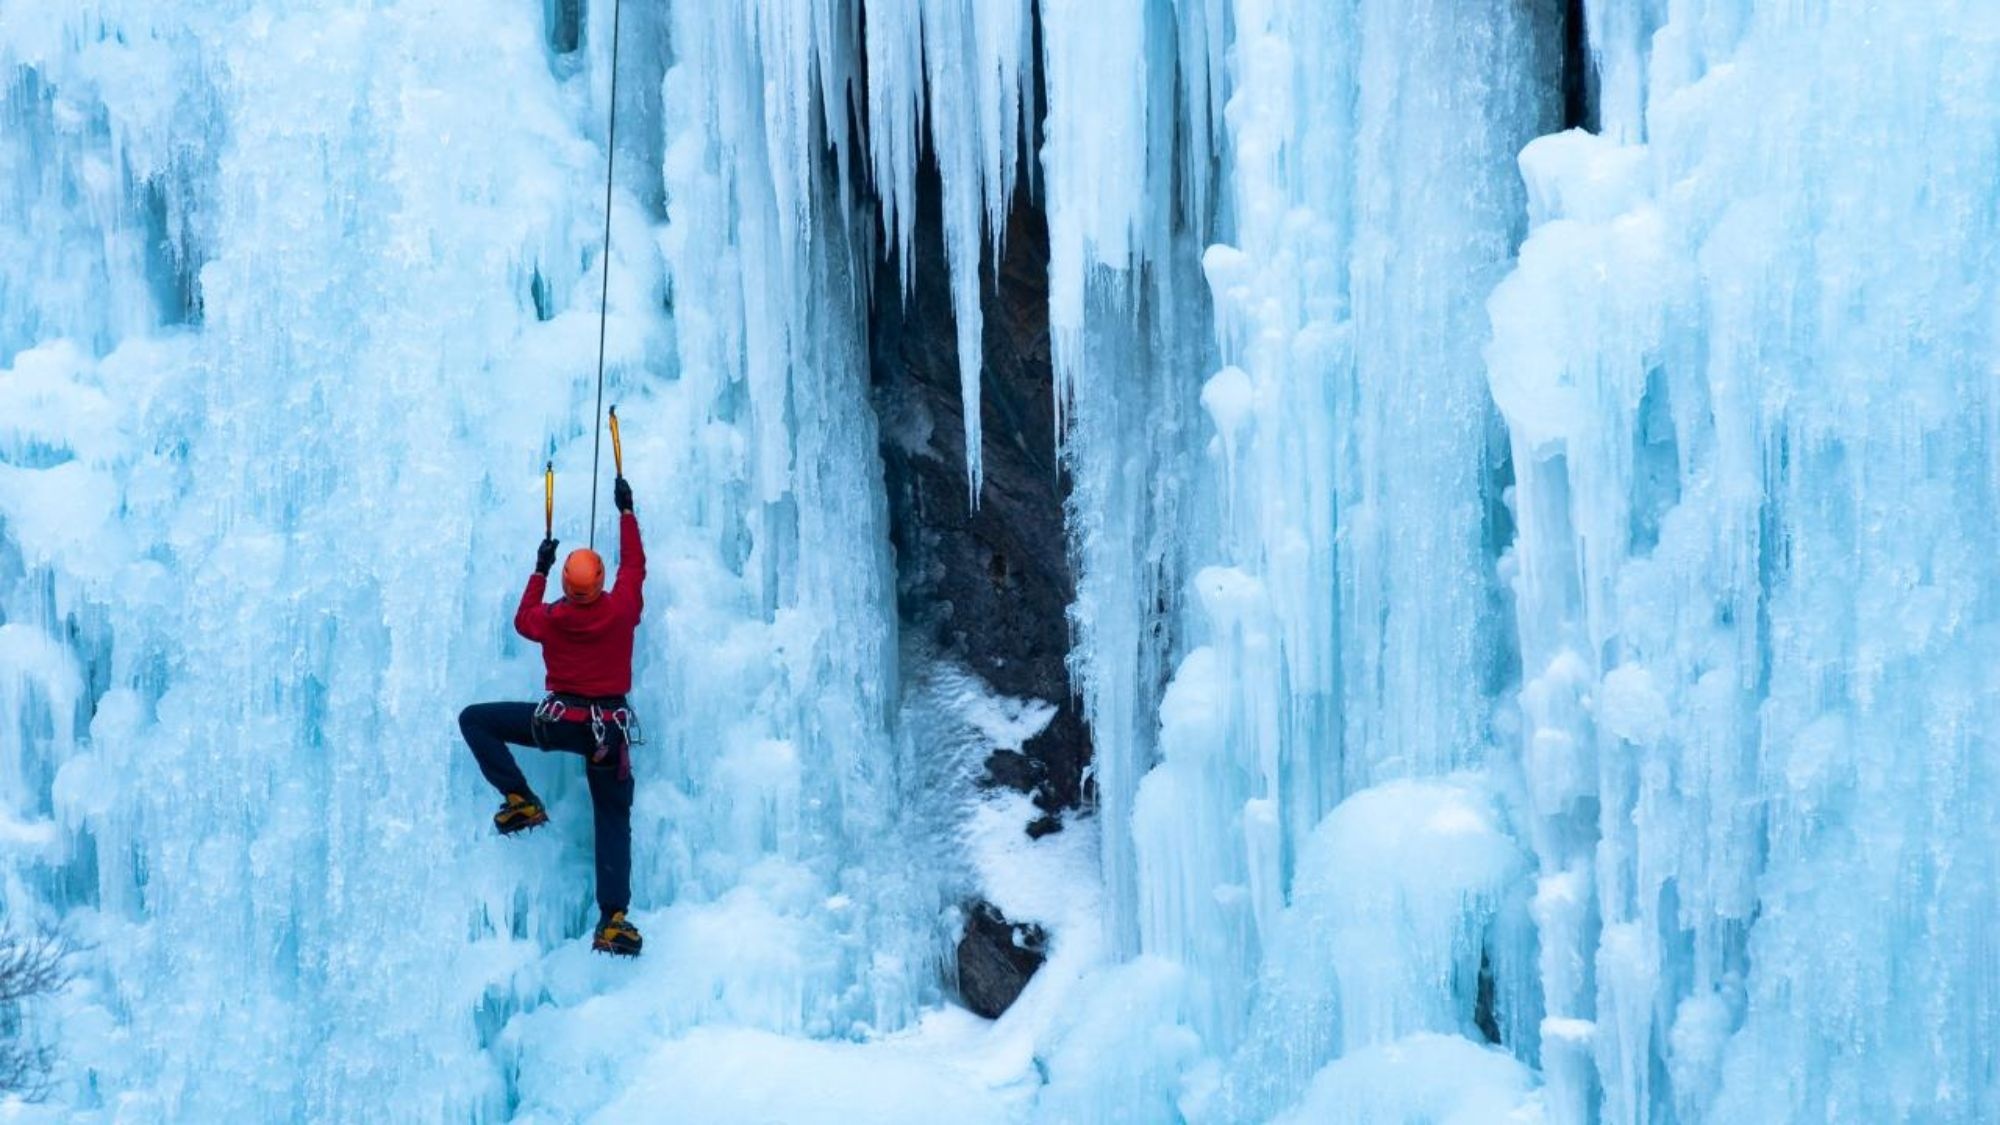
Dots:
(995, 959)
(990, 587)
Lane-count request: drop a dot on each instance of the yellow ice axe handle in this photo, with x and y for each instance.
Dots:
(617, 449)
(549, 501)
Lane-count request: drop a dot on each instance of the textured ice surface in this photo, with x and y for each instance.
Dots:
(1426, 1077)
(1535, 599)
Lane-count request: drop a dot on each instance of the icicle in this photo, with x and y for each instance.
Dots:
(953, 64)
(895, 104)
(1094, 61)
(960, 68)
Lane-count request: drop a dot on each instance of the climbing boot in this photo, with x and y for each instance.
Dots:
(616, 935)
(520, 813)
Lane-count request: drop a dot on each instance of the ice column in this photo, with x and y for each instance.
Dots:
(1347, 629)
(768, 263)
(1131, 336)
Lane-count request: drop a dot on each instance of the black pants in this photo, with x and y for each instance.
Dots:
(490, 727)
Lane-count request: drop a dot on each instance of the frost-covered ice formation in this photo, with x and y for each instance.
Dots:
(1536, 607)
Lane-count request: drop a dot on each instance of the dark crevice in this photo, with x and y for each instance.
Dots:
(1497, 534)
(1485, 1003)
(538, 291)
(174, 273)
(564, 21)
(1774, 556)
(1656, 467)
(1579, 76)
(1034, 114)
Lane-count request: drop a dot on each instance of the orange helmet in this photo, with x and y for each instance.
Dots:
(583, 576)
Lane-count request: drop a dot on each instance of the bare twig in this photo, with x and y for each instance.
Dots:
(31, 965)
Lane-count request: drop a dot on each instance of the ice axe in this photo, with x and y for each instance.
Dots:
(617, 450)
(549, 501)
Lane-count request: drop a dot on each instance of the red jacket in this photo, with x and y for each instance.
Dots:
(588, 648)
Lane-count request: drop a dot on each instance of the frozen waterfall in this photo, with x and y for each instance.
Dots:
(1527, 480)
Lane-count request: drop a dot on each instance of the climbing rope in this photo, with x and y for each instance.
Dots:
(604, 292)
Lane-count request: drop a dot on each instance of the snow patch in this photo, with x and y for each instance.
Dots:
(1439, 1079)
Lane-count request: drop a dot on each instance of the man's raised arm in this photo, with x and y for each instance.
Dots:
(528, 618)
(631, 586)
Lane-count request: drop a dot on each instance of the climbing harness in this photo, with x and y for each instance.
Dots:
(604, 291)
(602, 715)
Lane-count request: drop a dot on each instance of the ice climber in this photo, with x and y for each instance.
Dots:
(586, 640)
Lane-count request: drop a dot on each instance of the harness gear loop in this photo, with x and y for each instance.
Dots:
(597, 731)
(604, 291)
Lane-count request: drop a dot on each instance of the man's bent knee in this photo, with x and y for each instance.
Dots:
(476, 717)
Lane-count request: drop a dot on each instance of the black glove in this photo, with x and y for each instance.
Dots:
(621, 495)
(545, 557)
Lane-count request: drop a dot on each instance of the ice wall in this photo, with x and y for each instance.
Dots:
(1705, 612)
(258, 545)
(303, 296)
(1747, 366)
